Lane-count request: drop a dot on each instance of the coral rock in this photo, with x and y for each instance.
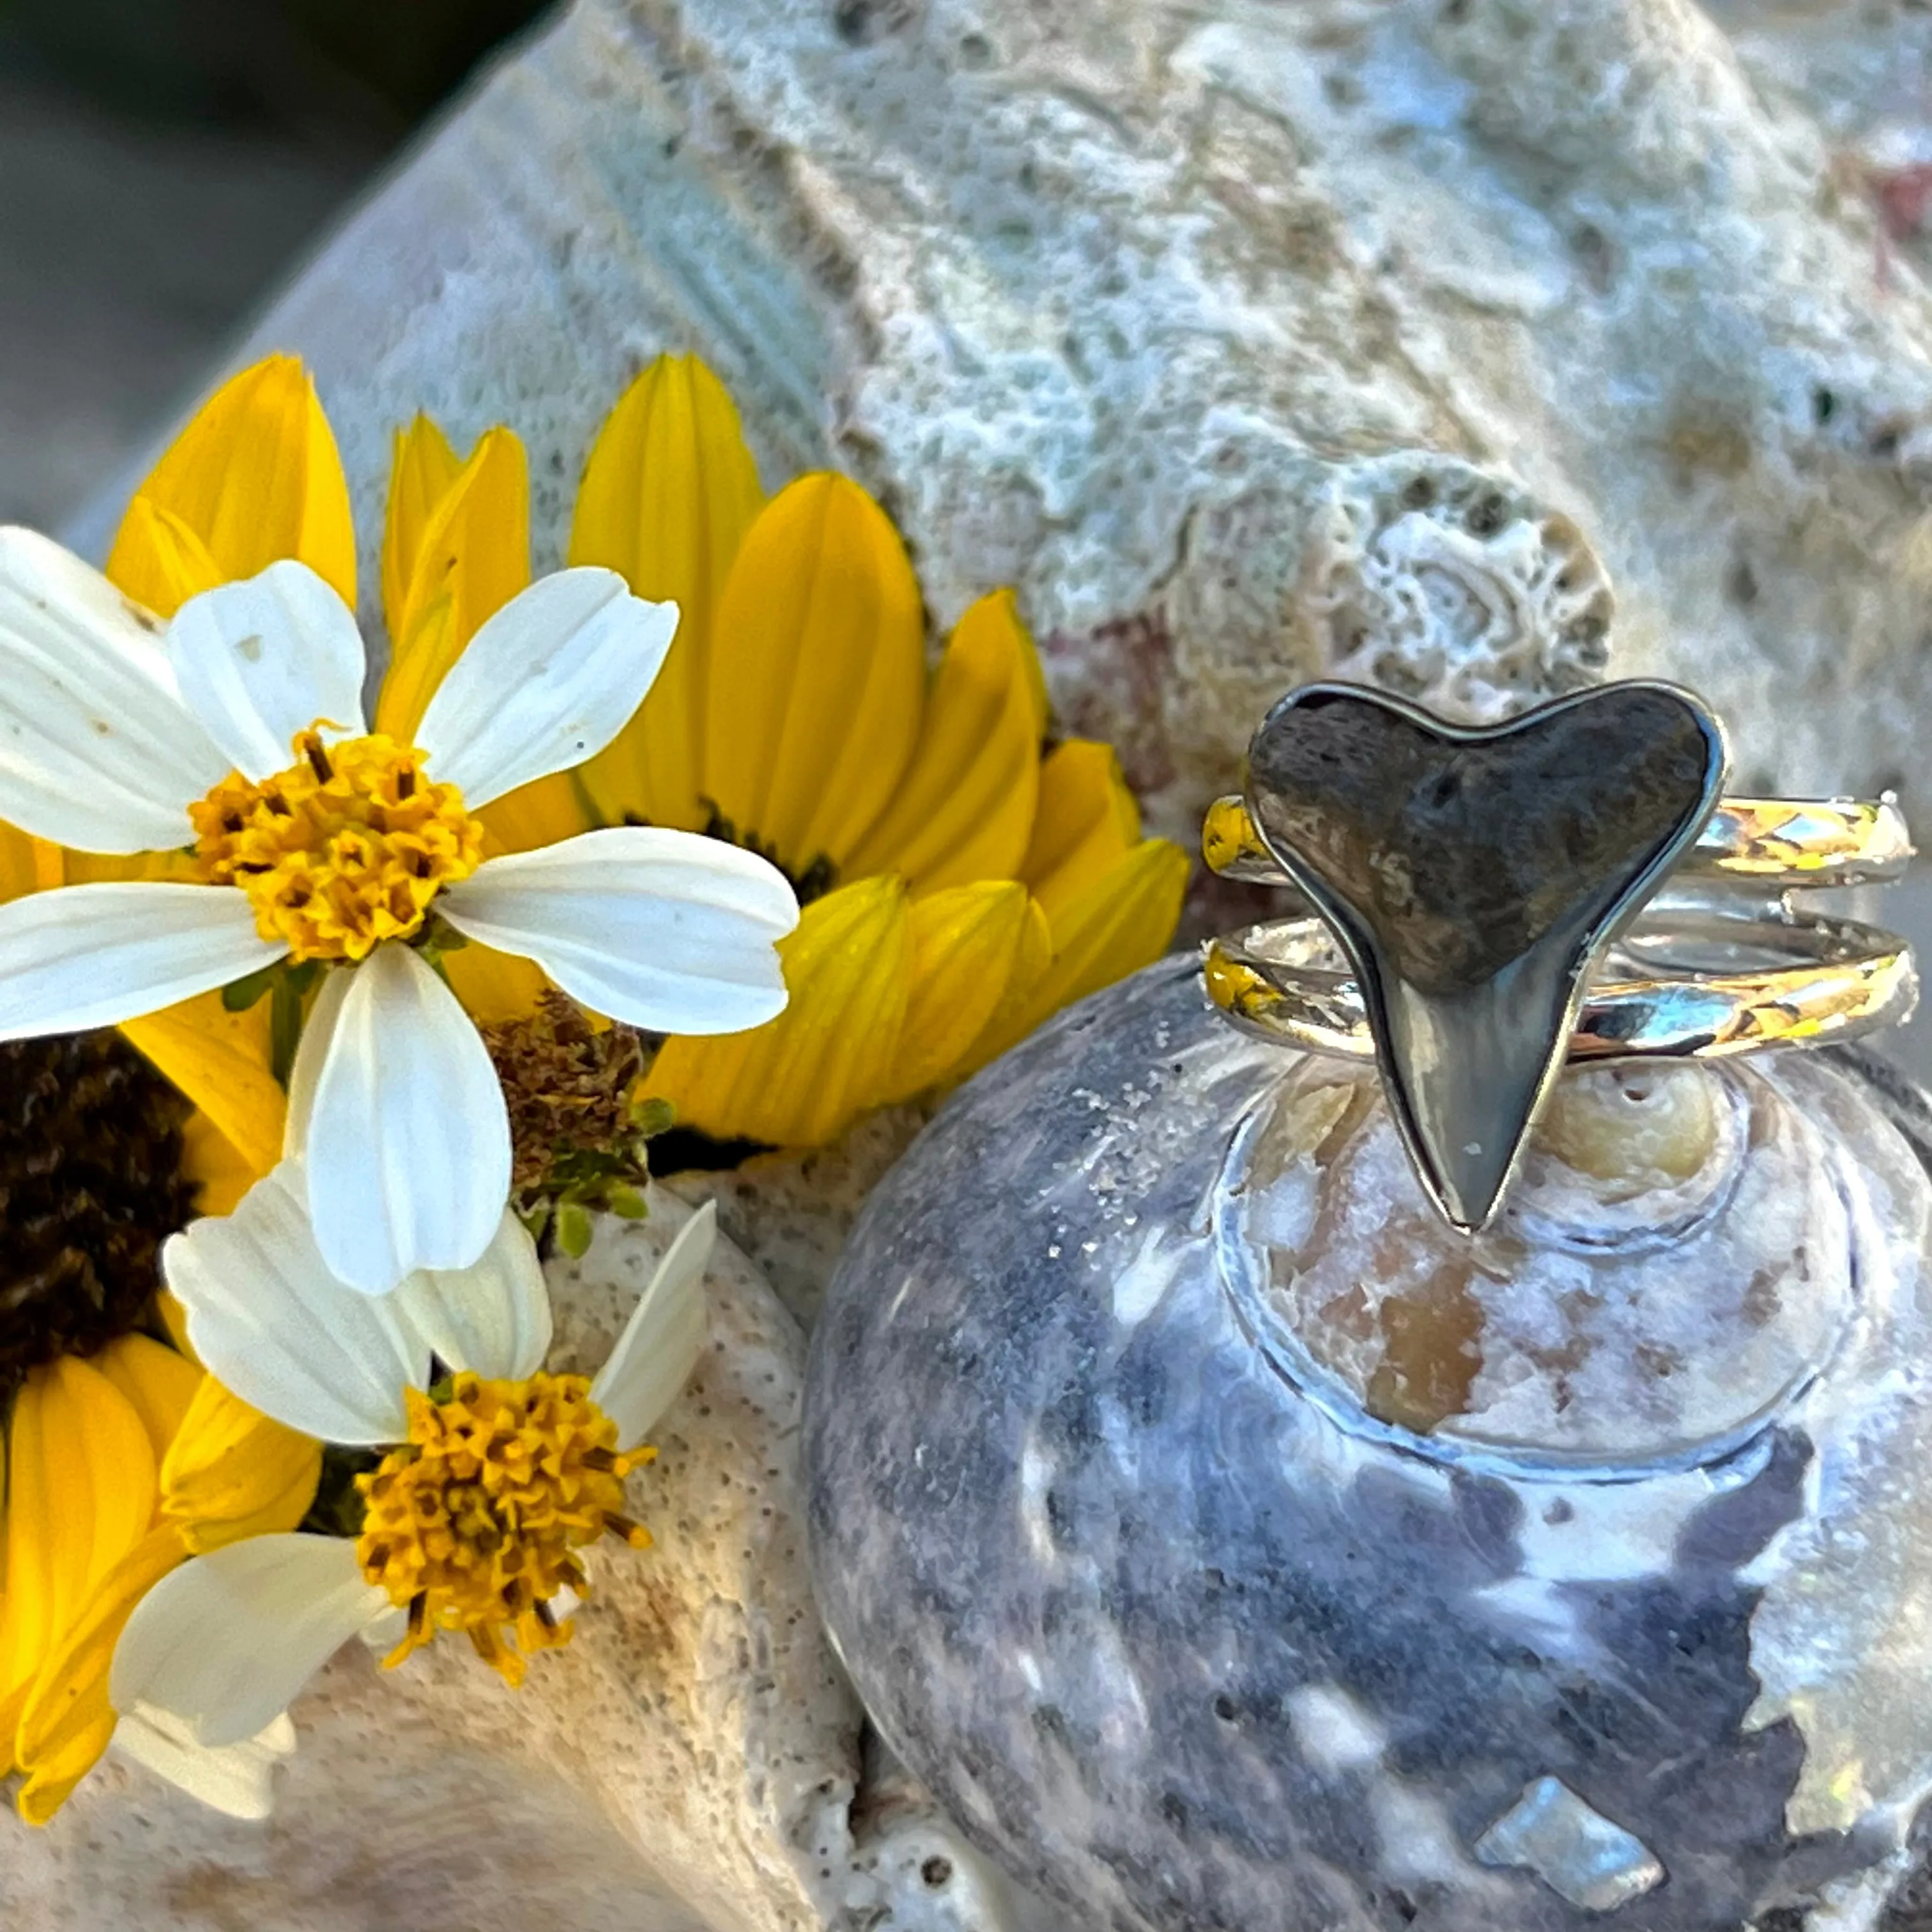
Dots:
(1145, 307)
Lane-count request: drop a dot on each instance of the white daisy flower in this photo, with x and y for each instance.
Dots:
(494, 1480)
(237, 731)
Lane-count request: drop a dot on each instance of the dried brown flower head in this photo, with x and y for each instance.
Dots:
(577, 1136)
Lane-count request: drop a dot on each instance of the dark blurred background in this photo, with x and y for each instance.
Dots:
(163, 164)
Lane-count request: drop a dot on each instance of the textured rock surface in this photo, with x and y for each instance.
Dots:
(1149, 307)
(688, 1764)
(791, 1213)
(1238, 1549)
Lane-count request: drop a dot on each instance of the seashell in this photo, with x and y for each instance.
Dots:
(1229, 1544)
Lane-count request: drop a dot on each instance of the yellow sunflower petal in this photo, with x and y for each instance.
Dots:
(965, 808)
(19, 872)
(800, 1080)
(27, 864)
(421, 469)
(539, 813)
(1120, 923)
(82, 868)
(232, 1472)
(965, 944)
(473, 556)
(254, 476)
(157, 552)
(418, 657)
(158, 1383)
(493, 985)
(66, 1721)
(668, 493)
(221, 1060)
(215, 1165)
(174, 1319)
(1032, 957)
(1036, 678)
(80, 1495)
(817, 673)
(1088, 822)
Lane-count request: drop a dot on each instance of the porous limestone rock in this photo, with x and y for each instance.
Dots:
(688, 1764)
(1140, 304)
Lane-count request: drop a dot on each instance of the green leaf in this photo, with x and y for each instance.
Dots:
(439, 938)
(628, 1202)
(338, 1508)
(285, 1028)
(239, 995)
(573, 1230)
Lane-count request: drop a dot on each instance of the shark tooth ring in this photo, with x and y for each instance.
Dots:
(1479, 905)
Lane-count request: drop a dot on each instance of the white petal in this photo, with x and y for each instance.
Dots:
(386, 1631)
(492, 1317)
(549, 681)
(259, 660)
(667, 930)
(224, 1642)
(97, 748)
(312, 1055)
(267, 1317)
(408, 1146)
(654, 1355)
(237, 1779)
(91, 956)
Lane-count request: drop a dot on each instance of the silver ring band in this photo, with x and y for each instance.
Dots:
(1808, 979)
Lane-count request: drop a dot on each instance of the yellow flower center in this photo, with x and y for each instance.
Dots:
(346, 848)
(471, 1524)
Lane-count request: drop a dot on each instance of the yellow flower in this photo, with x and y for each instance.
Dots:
(118, 1469)
(961, 883)
(120, 1465)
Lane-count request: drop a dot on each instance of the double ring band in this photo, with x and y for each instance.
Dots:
(1472, 908)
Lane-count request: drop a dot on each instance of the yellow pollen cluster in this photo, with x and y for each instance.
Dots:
(346, 848)
(471, 1523)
